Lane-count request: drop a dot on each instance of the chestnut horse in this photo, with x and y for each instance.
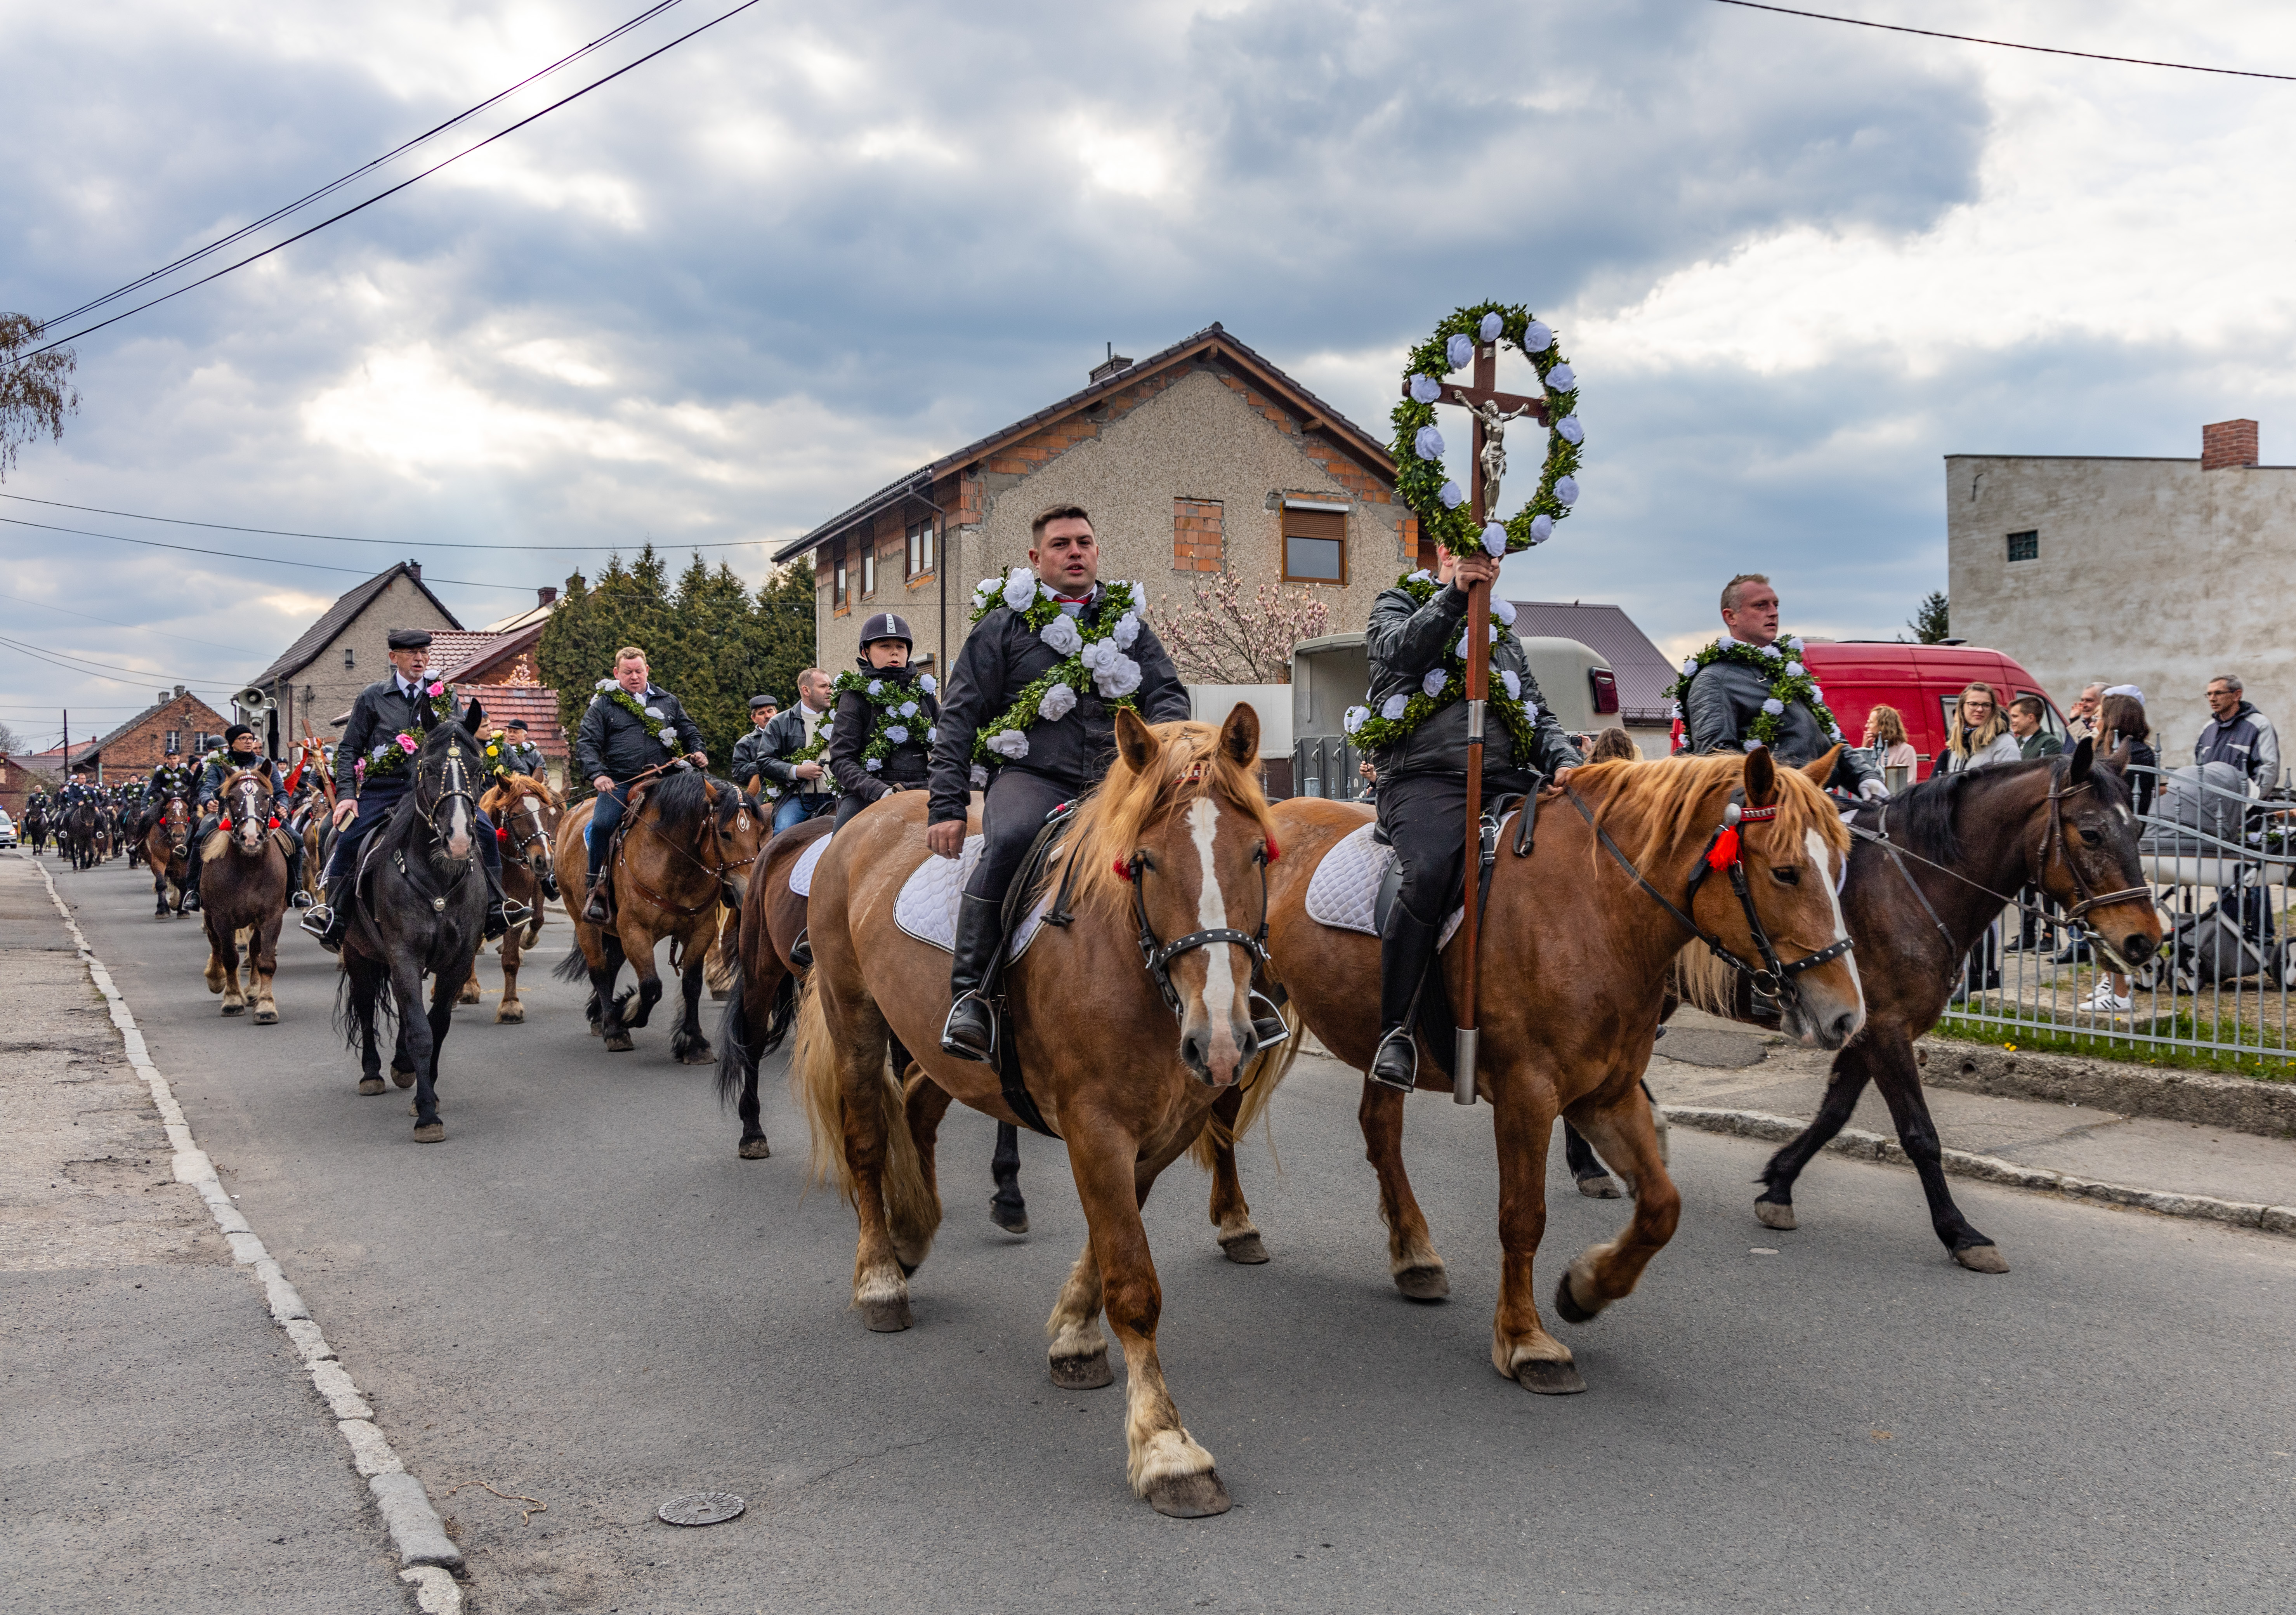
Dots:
(1574, 981)
(1124, 1062)
(243, 895)
(685, 851)
(1957, 848)
(524, 811)
(168, 848)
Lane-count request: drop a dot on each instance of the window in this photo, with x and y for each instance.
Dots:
(840, 600)
(921, 548)
(869, 570)
(1314, 545)
(175, 741)
(350, 658)
(2025, 545)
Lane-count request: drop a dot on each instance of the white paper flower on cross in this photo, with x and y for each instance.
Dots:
(1458, 350)
(1429, 444)
(1566, 490)
(1569, 430)
(1425, 387)
(1452, 495)
(1495, 539)
(1057, 703)
(1562, 379)
(1504, 609)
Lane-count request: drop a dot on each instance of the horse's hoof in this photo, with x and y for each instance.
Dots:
(435, 1133)
(619, 1043)
(1546, 1379)
(1083, 1373)
(702, 1056)
(756, 1149)
(1189, 1497)
(405, 1079)
(1601, 1185)
(1567, 1304)
(266, 1017)
(1423, 1284)
(886, 1317)
(1245, 1249)
(1775, 1214)
(513, 1014)
(1982, 1259)
(1013, 1220)
(370, 1086)
(234, 1009)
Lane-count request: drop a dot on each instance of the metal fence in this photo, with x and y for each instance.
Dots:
(1327, 765)
(2218, 854)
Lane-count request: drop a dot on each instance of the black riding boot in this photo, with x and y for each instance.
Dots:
(192, 869)
(296, 896)
(337, 923)
(500, 916)
(969, 1033)
(596, 910)
(1404, 955)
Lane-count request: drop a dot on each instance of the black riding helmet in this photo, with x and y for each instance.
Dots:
(885, 625)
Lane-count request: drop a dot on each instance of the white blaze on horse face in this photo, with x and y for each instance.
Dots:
(1819, 859)
(1211, 915)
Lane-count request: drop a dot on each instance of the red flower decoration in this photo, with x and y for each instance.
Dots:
(226, 821)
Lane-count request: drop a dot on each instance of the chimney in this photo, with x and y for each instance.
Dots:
(547, 596)
(2227, 443)
(1116, 364)
(180, 689)
(163, 694)
(415, 568)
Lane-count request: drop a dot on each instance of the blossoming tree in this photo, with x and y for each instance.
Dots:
(1220, 636)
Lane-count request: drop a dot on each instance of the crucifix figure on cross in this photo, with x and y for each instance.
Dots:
(1492, 410)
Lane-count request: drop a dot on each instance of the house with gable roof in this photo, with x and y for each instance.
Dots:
(1201, 459)
(316, 678)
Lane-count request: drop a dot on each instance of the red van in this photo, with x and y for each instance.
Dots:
(1921, 682)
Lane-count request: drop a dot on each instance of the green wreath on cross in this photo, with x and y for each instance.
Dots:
(1781, 667)
(1442, 508)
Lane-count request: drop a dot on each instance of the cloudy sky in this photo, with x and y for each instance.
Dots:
(718, 299)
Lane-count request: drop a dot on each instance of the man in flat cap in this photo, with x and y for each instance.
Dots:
(521, 755)
(750, 751)
(401, 704)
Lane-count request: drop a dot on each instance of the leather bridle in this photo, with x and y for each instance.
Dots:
(1158, 955)
(721, 871)
(1773, 978)
(455, 778)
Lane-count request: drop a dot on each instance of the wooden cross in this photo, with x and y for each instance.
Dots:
(1484, 390)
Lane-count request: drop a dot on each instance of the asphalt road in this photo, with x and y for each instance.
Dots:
(583, 1295)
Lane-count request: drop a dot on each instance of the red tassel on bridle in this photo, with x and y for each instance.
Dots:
(1725, 850)
(1274, 851)
(274, 822)
(1123, 870)
(226, 821)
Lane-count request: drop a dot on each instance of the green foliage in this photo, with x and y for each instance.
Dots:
(1375, 731)
(708, 642)
(36, 394)
(1928, 620)
(1780, 667)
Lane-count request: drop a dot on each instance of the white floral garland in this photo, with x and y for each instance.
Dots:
(667, 735)
(1447, 682)
(1783, 669)
(1097, 649)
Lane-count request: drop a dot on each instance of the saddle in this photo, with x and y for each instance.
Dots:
(1020, 903)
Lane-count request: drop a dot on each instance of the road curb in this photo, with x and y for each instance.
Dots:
(1860, 1144)
(2210, 1099)
(424, 1549)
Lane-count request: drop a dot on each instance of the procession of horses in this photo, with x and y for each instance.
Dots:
(1165, 957)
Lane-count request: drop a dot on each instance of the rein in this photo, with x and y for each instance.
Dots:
(720, 874)
(1776, 977)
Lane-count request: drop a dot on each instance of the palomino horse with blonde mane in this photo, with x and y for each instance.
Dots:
(524, 812)
(1581, 936)
(1167, 861)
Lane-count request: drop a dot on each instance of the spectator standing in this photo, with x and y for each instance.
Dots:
(1614, 745)
(1981, 737)
(2121, 721)
(1891, 746)
(2237, 733)
(2033, 741)
(2080, 721)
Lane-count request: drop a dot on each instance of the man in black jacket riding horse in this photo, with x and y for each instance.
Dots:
(1731, 695)
(633, 727)
(386, 724)
(1416, 646)
(1055, 758)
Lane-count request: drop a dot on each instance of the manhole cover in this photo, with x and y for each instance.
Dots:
(701, 1508)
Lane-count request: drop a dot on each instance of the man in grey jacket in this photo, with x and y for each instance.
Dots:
(750, 751)
(1422, 778)
(2237, 733)
(1725, 697)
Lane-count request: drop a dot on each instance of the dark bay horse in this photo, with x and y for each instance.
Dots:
(1966, 843)
(685, 850)
(420, 907)
(35, 827)
(525, 812)
(1574, 977)
(243, 895)
(1125, 1064)
(76, 837)
(168, 848)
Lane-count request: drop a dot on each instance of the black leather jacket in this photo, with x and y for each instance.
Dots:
(749, 754)
(617, 741)
(1406, 641)
(1725, 698)
(783, 738)
(380, 712)
(910, 764)
(1002, 656)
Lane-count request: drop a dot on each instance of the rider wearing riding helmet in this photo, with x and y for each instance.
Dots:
(391, 707)
(887, 700)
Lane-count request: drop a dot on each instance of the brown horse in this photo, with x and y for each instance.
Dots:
(243, 895)
(1124, 1062)
(1573, 985)
(685, 852)
(524, 811)
(168, 848)
(762, 1004)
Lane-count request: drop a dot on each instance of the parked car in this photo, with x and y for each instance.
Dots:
(1923, 681)
(7, 828)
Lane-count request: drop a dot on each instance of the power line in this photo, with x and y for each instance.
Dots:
(313, 566)
(2007, 44)
(40, 653)
(393, 190)
(139, 628)
(274, 532)
(329, 189)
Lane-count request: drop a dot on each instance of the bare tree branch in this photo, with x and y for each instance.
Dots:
(36, 394)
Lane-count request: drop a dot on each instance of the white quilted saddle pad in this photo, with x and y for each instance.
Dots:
(801, 873)
(929, 898)
(1344, 890)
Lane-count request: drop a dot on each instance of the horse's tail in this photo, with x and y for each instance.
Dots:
(573, 967)
(363, 1002)
(736, 1067)
(1704, 979)
(1261, 1076)
(816, 1076)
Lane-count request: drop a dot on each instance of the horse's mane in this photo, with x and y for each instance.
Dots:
(1113, 820)
(680, 800)
(1676, 799)
(1926, 817)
